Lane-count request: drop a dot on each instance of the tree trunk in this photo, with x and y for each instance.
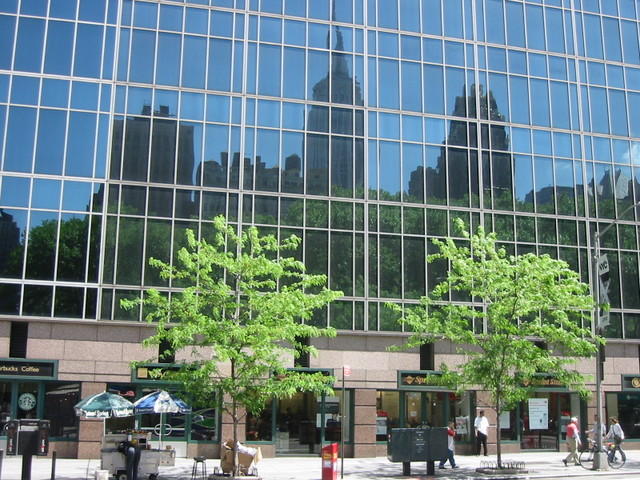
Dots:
(498, 445)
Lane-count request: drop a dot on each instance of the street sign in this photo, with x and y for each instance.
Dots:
(346, 371)
(604, 281)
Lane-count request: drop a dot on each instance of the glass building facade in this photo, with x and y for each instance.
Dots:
(364, 127)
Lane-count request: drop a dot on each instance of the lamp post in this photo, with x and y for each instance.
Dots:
(599, 460)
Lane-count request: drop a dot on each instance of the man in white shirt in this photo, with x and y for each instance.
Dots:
(481, 426)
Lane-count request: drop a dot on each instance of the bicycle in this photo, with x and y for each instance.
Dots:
(616, 457)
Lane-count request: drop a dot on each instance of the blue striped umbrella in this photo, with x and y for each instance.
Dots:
(161, 402)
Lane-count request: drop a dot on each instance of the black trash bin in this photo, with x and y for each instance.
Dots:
(408, 445)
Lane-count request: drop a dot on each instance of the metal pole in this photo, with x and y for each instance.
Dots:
(599, 460)
(54, 455)
(342, 427)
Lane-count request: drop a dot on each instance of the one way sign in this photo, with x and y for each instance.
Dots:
(603, 279)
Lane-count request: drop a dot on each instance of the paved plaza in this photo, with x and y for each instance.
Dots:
(540, 465)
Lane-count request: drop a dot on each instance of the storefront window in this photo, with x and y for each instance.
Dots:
(544, 419)
(5, 404)
(387, 413)
(626, 408)
(204, 424)
(59, 399)
(260, 428)
(460, 409)
(509, 425)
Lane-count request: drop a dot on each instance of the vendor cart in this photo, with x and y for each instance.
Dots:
(150, 459)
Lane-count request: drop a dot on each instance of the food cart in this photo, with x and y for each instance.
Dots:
(150, 459)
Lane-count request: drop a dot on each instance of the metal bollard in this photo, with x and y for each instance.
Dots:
(53, 465)
(1, 460)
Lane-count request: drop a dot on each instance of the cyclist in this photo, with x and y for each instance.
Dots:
(616, 433)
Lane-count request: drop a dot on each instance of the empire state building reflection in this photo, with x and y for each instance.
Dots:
(339, 157)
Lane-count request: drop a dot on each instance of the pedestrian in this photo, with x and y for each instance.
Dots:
(616, 433)
(451, 432)
(481, 426)
(601, 429)
(573, 442)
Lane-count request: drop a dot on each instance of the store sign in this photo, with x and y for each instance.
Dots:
(544, 382)
(43, 369)
(413, 380)
(631, 382)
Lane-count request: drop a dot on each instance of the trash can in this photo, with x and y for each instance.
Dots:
(330, 462)
(408, 445)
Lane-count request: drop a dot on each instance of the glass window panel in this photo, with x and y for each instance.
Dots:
(515, 24)
(454, 53)
(196, 21)
(432, 17)
(7, 28)
(29, 44)
(319, 9)
(596, 73)
(455, 85)
(390, 186)
(269, 70)
(169, 49)
(218, 108)
(76, 196)
(192, 106)
(46, 194)
(495, 21)
(219, 65)
(413, 173)
(193, 71)
(318, 69)
(434, 84)
(293, 116)
(618, 106)
(535, 27)
(221, 24)
(294, 65)
(214, 169)
(129, 251)
(15, 192)
(317, 172)
(388, 14)
(593, 33)
(318, 35)
(452, 16)
(555, 30)
(171, 17)
(523, 175)
(93, 11)
(51, 139)
(540, 105)
(142, 56)
(295, 33)
(631, 48)
(559, 105)
(20, 139)
(544, 193)
(270, 30)
(411, 87)
(81, 144)
(59, 48)
(292, 153)
(633, 100)
(63, 9)
(89, 51)
(409, 20)
(25, 90)
(519, 96)
(612, 39)
(598, 102)
(84, 96)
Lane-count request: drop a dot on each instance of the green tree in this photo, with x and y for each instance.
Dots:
(533, 309)
(243, 310)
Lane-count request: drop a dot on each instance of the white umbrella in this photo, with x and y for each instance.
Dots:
(161, 402)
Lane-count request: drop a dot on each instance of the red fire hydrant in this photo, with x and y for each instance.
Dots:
(330, 462)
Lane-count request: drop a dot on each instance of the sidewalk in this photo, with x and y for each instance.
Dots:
(540, 465)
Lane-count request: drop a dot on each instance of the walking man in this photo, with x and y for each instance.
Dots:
(481, 426)
(573, 442)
